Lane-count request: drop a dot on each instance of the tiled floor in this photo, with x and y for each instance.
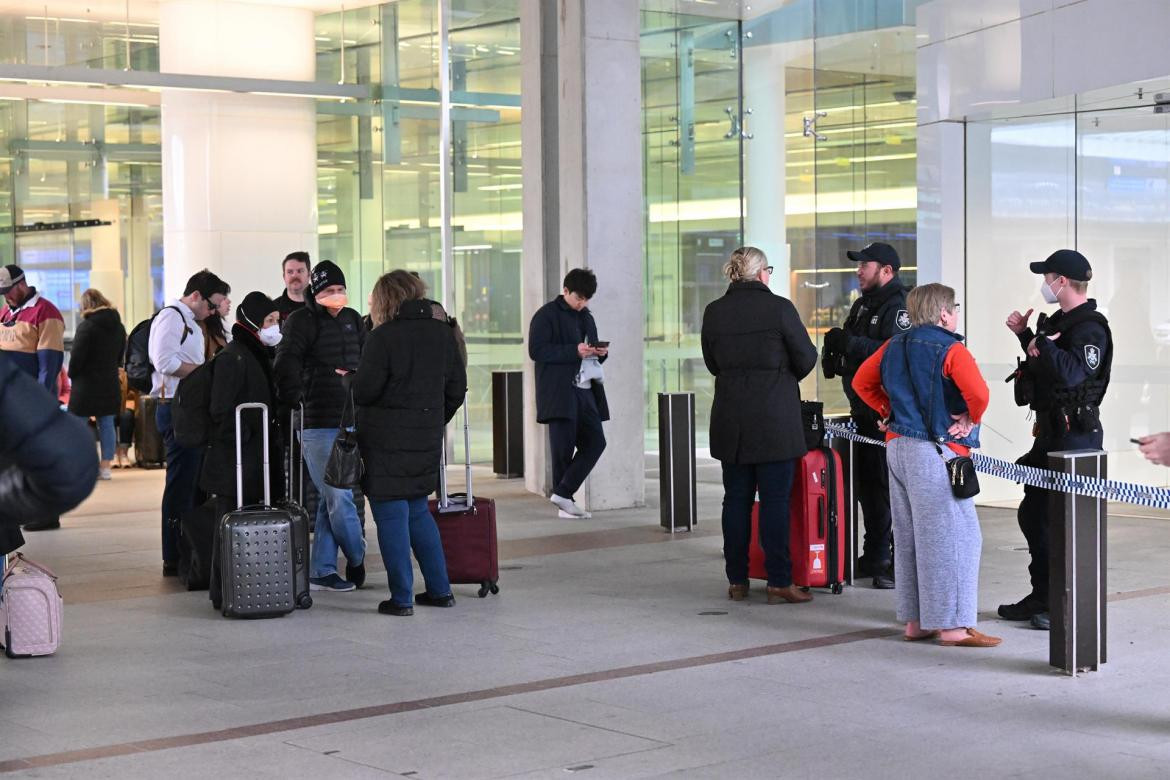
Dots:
(611, 652)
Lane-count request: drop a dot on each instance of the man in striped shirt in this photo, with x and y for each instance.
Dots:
(32, 332)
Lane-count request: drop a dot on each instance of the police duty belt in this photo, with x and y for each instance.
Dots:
(1108, 489)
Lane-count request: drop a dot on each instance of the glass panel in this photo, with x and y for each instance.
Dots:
(692, 136)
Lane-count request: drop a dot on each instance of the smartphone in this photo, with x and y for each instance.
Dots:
(600, 345)
(1136, 441)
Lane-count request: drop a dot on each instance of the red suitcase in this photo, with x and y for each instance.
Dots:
(817, 532)
(467, 527)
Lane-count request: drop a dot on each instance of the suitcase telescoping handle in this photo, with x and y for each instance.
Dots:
(296, 453)
(444, 496)
(240, 454)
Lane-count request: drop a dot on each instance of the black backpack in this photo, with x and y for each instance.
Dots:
(139, 370)
(191, 407)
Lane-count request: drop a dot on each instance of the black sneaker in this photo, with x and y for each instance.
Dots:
(1040, 622)
(170, 569)
(356, 574)
(388, 607)
(1023, 609)
(425, 599)
(884, 581)
(330, 582)
(43, 525)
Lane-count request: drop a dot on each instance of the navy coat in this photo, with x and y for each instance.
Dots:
(553, 335)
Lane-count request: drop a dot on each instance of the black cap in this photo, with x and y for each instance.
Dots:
(877, 252)
(326, 274)
(1066, 262)
(10, 276)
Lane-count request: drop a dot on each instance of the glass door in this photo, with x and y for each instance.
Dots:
(694, 129)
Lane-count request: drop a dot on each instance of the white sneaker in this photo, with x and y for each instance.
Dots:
(569, 508)
(105, 474)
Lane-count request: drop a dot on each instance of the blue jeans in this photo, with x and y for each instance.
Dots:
(107, 436)
(337, 523)
(404, 525)
(182, 482)
(740, 482)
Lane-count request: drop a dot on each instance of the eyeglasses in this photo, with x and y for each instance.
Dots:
(769, 270)
(956, 307)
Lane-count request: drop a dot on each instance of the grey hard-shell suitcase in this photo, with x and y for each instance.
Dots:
(257, 548)
(294, 504)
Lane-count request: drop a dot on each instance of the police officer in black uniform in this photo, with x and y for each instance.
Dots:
(1063, 380)
(876, 315)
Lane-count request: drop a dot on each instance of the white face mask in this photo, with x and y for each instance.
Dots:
(270, 337)
(1046, 291)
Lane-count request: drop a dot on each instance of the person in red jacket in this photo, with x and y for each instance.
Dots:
(928, 392)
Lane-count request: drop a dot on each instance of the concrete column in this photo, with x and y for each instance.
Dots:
(239, 171)
(765, 156)
(601, 221)
(541, 263)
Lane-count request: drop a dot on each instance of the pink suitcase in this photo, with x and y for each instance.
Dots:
(30, 606)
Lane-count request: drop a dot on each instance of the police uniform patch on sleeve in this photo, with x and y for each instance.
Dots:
(903, 319)
(1092, 356)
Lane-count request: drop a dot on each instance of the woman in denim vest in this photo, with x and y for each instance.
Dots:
(930, 395)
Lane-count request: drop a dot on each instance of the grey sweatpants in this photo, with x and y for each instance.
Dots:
(937, 542)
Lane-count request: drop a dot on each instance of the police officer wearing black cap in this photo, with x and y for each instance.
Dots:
(879, 313)
(1063, 380)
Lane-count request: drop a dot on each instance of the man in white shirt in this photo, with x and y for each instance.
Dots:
(176, 349)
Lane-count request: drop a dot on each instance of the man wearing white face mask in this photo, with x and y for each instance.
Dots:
(321, 344)
(1063, 381)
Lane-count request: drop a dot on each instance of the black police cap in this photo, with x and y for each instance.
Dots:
(877, 252)
(1066, 262)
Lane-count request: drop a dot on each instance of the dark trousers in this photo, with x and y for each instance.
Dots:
(575, 445)
(125, 427)
(871, 477)
(740, 483)
(1033, 515)
(182, 483)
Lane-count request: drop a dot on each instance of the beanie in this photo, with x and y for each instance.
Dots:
(255, 307)
(326, 274)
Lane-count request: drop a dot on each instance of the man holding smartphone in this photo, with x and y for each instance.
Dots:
(570, 389)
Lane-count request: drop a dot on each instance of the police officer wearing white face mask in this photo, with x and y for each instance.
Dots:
(1063, 380)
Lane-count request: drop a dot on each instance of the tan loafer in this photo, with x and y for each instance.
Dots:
(737, 592)
(920, 637)
(791, 594)
(973, 639)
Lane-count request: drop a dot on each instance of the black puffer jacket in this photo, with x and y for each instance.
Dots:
(409, 386)
(93, 364)
(758, 349)
(315, 344)
(242, 374)
(48, 463)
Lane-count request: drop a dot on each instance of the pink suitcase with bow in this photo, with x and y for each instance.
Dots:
(31, 607)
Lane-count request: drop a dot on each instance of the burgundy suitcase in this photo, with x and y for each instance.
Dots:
(467, 527)
(817, 533)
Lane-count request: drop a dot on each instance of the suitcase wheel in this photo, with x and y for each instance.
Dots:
(305, 601)
(494, 588)
(837, 588)
(217, 606)
(483, 590)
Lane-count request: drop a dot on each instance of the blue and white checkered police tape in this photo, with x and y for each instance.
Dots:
(1109, 489)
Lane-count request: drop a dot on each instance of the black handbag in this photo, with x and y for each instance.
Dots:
(812, 422)
(344, 469)
(960, 469)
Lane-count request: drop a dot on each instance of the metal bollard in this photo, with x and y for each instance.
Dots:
(677, 479)
(508, 423)
(1077, 566)
(844, 448)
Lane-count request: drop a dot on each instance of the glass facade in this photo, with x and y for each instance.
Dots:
(1094, 175)
(379, 168)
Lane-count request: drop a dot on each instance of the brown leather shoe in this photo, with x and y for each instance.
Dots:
(737, 592)
(920, 637)
(973, 639)
(791, 594)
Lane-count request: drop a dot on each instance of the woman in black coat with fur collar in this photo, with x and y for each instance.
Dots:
(94, 359)
(408, 386)
(758, 349)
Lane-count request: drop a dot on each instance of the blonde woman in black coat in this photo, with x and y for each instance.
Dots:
(94, 359)
(758, 349)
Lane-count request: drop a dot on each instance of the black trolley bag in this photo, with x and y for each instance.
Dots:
(294, 504)
(257, 551)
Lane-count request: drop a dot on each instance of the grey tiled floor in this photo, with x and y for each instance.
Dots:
(142, 660)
